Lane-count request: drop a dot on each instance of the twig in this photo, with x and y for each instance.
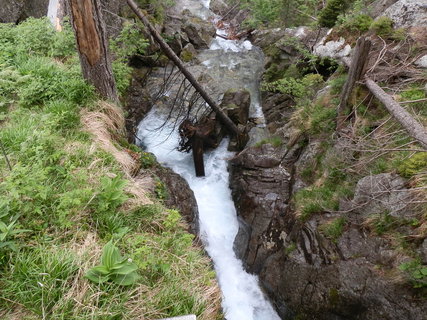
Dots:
(5, 155)
(413, 101)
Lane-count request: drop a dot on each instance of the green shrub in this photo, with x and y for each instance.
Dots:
(359, 22)
(329, 14)
(414, 165)
(113, 268)
(383, 26)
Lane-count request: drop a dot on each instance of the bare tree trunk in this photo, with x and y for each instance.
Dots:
(412, 126)
(355, 73)
(92, 44)
(226, 121)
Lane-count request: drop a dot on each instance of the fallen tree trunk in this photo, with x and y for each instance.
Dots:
(412, 126)
(415, 129)
(222, 117)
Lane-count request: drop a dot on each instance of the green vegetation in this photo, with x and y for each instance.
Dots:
(67, 196)
(113, 268)
(329, 14)
(274, 141)
(415, 272)
(333, 229)
(287, 13)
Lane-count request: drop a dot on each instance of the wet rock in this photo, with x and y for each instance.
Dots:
(200, 33)
(382, 193)
(408, 13)
(137, 103)
(180, 196)
(218, 7)
(236, 104)
(188, 53)
(260, 189)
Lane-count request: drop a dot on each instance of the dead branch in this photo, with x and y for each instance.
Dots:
(225, 120)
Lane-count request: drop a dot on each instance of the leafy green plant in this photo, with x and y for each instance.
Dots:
(7, 233)
(112, 193)
(416, 272)
(383, 27)
(113, 268)
(414, 165)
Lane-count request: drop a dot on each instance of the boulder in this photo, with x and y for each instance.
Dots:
(332, 49)
(408, 13)
(180, 196)
(378, 7)
(199, 32)
(236, 105)
(422, 62)
(14, 11)
(382, 193)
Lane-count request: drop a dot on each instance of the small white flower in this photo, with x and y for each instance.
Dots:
(40, 284)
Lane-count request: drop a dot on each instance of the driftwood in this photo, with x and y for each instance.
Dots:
(222, 117)
(197, 137)
(415, 129)
(357, 69)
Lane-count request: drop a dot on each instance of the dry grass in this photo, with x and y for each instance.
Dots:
(106, 124)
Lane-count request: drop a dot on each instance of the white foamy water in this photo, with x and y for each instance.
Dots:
(242, 296)
(52, 11)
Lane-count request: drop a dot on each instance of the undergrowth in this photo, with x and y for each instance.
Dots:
(67, 193)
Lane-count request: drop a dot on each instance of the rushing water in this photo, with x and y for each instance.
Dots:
(242, 296)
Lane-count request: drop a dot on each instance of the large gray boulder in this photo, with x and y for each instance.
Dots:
(408, 13)
(14, 11)
(383, 193)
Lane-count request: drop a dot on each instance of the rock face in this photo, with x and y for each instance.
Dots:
(199, 32)
(301, 269)
(180, 196)
(14, 11)
(382, 193)
(260, 189)
(408, 13)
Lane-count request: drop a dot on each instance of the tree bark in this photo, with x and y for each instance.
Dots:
(92, 44)
(357, 69)
(222, 117)
(412, 126)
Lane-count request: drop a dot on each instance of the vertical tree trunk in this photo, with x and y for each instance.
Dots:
(357, 69)
(92, 44)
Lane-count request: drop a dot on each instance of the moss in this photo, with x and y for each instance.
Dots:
(274, 141)
(414, 165)
(186, 55)
(334, 296)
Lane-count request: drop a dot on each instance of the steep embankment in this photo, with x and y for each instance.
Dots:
(69, 184)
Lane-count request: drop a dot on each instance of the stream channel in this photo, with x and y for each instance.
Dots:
(230, 64)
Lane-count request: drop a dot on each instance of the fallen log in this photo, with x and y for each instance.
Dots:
(415, 129)
(222, 117)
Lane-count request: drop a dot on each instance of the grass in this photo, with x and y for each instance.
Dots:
(72, 188)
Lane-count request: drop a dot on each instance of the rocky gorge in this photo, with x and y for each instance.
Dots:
(307, 273)
(326, 232)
